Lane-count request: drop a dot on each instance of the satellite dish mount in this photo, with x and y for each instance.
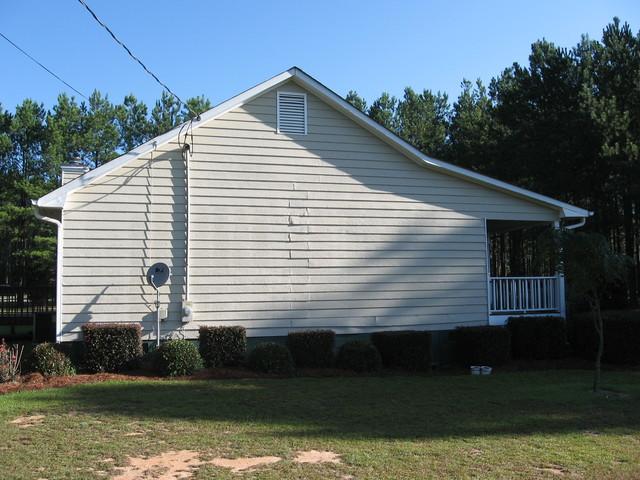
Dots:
(157, 275)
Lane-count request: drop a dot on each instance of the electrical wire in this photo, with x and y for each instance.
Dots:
(42, 66)
(119, 42)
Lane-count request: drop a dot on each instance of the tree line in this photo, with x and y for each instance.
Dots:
(35, 142)
(566, 124)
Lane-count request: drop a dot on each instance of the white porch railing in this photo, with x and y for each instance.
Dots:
(526, 295)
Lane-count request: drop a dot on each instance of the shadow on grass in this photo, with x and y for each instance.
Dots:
(389, 407)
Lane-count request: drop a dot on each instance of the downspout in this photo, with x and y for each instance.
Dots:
(560, 272)
(59, 251)
(581, 223)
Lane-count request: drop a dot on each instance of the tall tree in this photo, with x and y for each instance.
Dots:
(100, 131)
(383, 110)
(356, 100)
(134, 127)
(472, 129)
(65, 126)
(195, 105)
(615, 110)
(422, 119)
(26, 175)
(28, 135)
(165, 114)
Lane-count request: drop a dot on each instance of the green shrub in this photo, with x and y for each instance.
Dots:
(538, 338)
(408, 349)
(50, 362)
(222, 345)
(359, 356)
(271, 357)
(621, 337)
(312, 348)
(481, 345)
(177, 358)
(111, 347)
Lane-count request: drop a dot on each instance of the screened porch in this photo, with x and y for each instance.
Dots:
(522, 281)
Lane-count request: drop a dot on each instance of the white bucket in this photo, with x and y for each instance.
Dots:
(476, 370)
(486, 370)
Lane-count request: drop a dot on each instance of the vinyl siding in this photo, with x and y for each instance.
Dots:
(334, 229)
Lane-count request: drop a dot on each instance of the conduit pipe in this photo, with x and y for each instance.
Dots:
(187, 307)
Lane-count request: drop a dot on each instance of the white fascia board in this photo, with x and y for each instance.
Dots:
(57, 198)
(566, 210)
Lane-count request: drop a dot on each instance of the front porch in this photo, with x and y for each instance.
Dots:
(520, 281)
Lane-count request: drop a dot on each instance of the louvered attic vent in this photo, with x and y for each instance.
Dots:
(292, 113)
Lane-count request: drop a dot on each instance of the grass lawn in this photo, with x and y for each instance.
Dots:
(509, 425)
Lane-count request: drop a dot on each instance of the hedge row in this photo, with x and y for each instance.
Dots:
(621, 337)
(116, 347)
(538, 338)
(222, 346)
(112, 348)
(312, 348)
(531, 338)
(481, 345)
(408, 349)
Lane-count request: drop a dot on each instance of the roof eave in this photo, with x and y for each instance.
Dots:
(565, 209)
(57, 198)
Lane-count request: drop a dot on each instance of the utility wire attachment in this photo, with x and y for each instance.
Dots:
(119, 42)
(42, 66)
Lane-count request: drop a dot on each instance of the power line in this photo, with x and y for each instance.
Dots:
(119, 42)
(42, 66)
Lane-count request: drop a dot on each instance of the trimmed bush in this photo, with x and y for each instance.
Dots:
(271, 357)
(222, 346)
(176, 358)
(312, 348)
(481, 345)
(538, 338)
(359, 356)
(50, 362)
(409, 349)
(621, 337)
(111, 347)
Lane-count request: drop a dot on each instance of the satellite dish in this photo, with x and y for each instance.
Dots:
(158, 274)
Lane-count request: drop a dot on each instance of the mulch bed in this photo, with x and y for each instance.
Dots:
(36, 381)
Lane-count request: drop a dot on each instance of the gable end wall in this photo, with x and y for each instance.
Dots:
(334, 229)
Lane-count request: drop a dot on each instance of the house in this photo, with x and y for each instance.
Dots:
(286, 208)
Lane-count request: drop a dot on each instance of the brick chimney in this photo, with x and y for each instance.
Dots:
(73, 170)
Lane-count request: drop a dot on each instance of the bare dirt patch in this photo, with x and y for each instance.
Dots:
(315, 456)
(556, 470)
(243, 464)
(172, 465)
(28, 421)
(475, 452)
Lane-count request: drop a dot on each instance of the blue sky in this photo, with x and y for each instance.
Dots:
(219, 48)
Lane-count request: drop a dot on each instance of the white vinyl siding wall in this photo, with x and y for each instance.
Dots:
(334, 229)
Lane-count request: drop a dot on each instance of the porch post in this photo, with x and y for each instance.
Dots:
(560, 278)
